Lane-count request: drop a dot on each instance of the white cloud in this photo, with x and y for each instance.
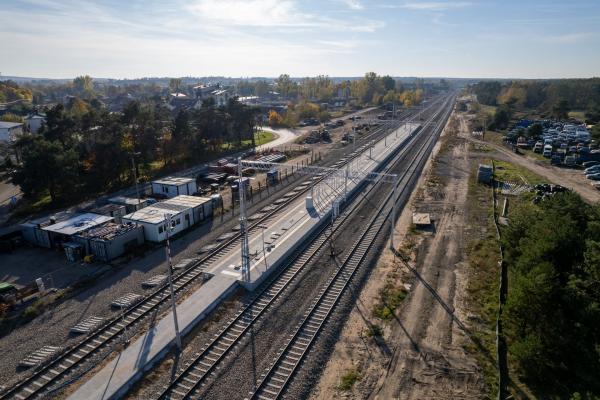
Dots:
(250, 12)
(567, 38)
(354, 4)
(429, 6)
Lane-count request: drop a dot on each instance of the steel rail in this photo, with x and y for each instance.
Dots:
(204, 363)
(278, 376)
(74, 356)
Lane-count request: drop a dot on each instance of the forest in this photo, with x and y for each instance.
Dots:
(553, 255)
(82, 150)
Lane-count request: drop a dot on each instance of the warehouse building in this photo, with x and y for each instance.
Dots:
(174, 186)
(111, 240)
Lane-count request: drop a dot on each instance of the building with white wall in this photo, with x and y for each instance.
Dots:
(174, 186)
(154, 221)
(34, 122)
(10, 131)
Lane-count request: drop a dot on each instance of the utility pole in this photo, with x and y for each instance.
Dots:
(243, 226)
(393, 221)
(170, 267)
(137, 189)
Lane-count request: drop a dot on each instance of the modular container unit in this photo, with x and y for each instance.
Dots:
(117, 211)
(153, 220)
(174, 186)
(34, 232)
(202, 207)
(64, 231)
(112, 240)
(131, 204)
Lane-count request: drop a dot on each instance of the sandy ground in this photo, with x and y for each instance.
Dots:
(420, 354)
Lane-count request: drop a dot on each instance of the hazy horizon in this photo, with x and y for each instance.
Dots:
(50, 39)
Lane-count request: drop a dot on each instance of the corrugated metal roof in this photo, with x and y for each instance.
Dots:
(78, 224)
(173, 180)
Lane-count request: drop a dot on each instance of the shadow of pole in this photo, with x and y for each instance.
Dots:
(450, 311)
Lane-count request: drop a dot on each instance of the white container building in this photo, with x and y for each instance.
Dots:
(185, 212)
(174, 186)
(202, 207)
(153, 219)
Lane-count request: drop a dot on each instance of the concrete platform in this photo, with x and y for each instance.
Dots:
(115, 378)
(282, 234)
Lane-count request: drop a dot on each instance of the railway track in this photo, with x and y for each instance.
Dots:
(44, 377)
(204, 363)
(274, 382)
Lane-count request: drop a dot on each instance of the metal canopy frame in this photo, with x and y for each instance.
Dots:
(335, 178)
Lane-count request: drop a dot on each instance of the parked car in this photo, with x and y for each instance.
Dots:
(547, 151)
(593, 177)
(596, 185)
(592, 169)
(588, 164)
(570, 161)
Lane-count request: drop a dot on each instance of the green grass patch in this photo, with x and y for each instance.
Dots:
(578, 115)
(490, 110)
(349, 379)
(483, 254)
(390, 297)
(262, 137)
(507, 172)
(374, 331)
(493, 137)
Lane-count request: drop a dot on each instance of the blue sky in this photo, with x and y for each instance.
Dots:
(137, 38)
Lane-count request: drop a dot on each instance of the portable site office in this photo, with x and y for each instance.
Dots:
(174, 186)
(202, 206)
(185, 211)
(153, 221)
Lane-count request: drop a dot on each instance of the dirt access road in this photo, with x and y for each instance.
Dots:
(570, 178)
(420, 354)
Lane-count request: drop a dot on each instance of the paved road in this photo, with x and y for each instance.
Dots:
(284, 136)
(7, 190)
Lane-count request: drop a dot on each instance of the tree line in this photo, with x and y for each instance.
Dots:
(553, 305)
(83, 150)
(549, 98)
